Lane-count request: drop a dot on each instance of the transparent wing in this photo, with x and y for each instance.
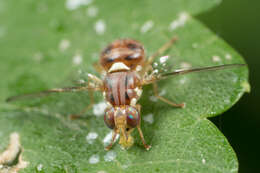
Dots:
(56, 90)
(161, 76)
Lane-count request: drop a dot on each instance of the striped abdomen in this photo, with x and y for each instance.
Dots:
(120, 87)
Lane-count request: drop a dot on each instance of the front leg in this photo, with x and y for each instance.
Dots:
(112, 141)
(147, 147)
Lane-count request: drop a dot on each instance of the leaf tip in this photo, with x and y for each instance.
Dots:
(246, 86)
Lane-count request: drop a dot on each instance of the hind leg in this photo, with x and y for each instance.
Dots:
(156, 94)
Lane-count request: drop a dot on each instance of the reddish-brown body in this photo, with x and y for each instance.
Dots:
(120, 87)
(127, 51)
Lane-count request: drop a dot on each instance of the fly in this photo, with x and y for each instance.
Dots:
(126, 72)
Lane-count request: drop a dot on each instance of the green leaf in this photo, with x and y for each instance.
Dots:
(183, 140)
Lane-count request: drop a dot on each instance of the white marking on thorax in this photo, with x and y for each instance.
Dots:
(118, 66)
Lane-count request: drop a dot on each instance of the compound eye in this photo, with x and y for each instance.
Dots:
(109, 118)
(133, 117)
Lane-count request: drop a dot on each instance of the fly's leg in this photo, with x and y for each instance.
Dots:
(161, 50)
(95, 81)
(79, 115)
(147, 147)
(98, 68)
(155, 90)
(112, 141)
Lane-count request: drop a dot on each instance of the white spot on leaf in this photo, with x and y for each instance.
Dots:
(92, 11)
(74, 4)
(110, 156)
(147, 26)
(99, 109)
(77, 59)
(39, 167)
(94, 159)
(227, 101)
(203, 161)
(149, 118)
(162, 93)
(185, 65)
(228, 56)
(64, 45)
(153, 98)
(183, 17)
(100, 27)
(91, 137)
(216, 58)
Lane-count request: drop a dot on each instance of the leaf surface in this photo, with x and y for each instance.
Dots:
(42, 44)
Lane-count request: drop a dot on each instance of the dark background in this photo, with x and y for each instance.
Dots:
(238, 23)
